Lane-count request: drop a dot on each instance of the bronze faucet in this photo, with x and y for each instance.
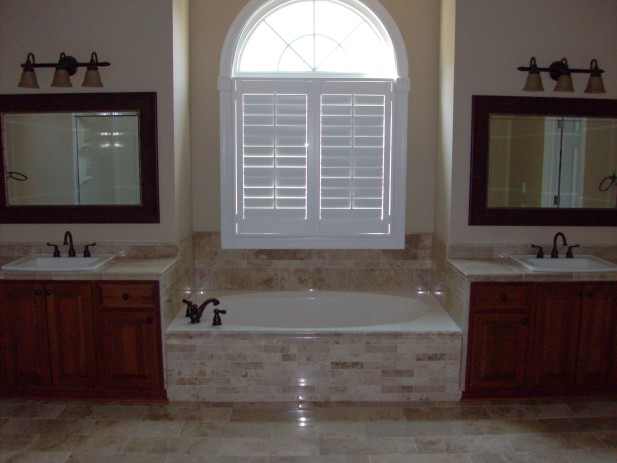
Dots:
(68, 239)
(554, 252)
(194, 312)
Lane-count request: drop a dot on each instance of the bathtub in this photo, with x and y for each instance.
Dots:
(323, 311)
(315, 346)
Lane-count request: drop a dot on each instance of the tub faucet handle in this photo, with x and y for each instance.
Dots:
(189, 305)
(217, 318)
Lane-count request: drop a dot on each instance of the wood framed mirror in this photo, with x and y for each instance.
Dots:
(79, 158)
(543, 161)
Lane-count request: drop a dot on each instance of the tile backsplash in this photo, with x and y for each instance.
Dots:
(342, 270)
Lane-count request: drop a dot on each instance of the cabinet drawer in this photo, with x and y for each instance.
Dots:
(127, 295)
(501, 296)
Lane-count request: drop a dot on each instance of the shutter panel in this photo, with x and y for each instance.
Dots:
(355, 157)
(271, 157)
(313, 158)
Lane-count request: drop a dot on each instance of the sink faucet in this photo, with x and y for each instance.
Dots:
(554, 252)
(68, 239)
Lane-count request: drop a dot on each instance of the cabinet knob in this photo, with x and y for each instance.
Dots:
(503, 298)
(149, 320)
(525, 321)
(125, 296)
(38, 292)
(48, 292)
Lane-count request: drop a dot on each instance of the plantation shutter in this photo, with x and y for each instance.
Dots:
(313, 158)
(355, 158)
(271, 160)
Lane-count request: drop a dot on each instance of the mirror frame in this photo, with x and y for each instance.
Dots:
(482, 107)
(143, 102)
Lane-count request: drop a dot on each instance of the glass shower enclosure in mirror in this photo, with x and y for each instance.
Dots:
(79, 158)
(72, 158)
(551, 161)
(543, 161)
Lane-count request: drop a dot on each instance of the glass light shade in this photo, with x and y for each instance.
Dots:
(61, 78)
(533, 83)
(28, 79)
(564, 83)
(92, 78)
(595, 84)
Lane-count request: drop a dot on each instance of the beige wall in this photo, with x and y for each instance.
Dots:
(136, 36)
(418, 21)
(476, 52)
(493, 38)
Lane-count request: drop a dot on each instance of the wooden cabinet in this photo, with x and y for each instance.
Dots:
(499, 337)
(597, 340)
(82, 339)
(542, 339)
(129, 338)
(48, 336)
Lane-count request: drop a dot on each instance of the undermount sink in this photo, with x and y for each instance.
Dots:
(580, 263)
(46, 263)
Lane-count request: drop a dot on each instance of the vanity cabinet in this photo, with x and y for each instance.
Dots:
(499, 336)
(542, 339)
(129, 338)
(47, 336)
(81, 339)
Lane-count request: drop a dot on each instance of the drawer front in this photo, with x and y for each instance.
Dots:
(501, 296)
(124, 295)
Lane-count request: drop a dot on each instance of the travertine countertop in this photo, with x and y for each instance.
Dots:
(506, 269)
(121, 268)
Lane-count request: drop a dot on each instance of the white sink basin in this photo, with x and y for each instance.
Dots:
(579, 263)
(46, 263)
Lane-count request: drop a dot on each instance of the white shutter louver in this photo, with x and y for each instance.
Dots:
(272, 158)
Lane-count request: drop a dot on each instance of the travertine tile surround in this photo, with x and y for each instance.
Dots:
(324, 367)
(220, 367)
(223, 269)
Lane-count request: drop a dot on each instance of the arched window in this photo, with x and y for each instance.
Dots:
(313, 126)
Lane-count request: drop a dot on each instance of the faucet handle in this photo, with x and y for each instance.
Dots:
(189, 305)
(569, 254)
(87, 250)
(56, 250)
(540, 254)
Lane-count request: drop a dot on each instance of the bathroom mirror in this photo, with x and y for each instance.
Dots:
(543, 161)
(79, 158)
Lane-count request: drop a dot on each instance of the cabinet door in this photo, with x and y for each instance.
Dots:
(128, 350)
(597, 353)
(71, 334)
(27, 358)
(554, 334)
(497, 354)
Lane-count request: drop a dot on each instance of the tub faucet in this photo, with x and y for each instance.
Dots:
(68, 239)
(554, 252)
(217, 318)
(194, 312)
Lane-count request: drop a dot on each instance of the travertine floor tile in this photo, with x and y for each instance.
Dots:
(479, 432)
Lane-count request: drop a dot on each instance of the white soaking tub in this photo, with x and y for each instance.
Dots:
(314, 346)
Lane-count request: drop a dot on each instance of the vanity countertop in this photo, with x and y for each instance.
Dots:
(506, 269)
(121, 268)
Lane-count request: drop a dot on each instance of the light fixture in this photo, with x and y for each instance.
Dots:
(562, 73)
(65, 68)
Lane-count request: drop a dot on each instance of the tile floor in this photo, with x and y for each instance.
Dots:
(181, 432)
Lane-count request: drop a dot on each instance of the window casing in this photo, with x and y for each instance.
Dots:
(312, 157)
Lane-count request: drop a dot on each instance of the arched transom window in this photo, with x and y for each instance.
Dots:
(313, 126)
(316, 36)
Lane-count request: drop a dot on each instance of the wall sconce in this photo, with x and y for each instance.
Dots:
(562, 73)
(65, 67)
